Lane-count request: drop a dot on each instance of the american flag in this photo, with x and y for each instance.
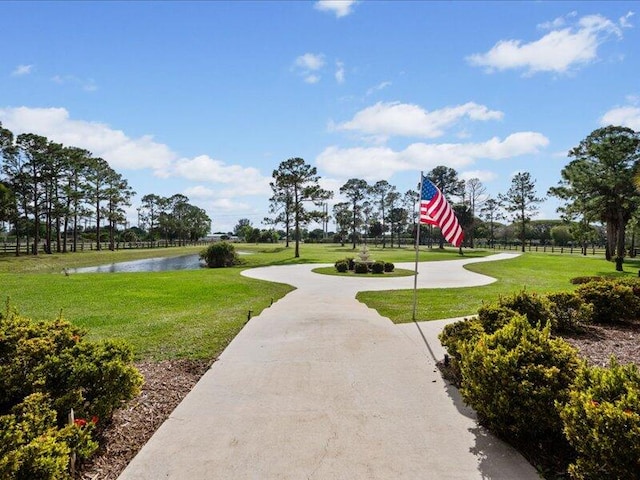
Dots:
(435, 210)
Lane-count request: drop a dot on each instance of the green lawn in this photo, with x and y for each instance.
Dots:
(535, 272)
(195, 314)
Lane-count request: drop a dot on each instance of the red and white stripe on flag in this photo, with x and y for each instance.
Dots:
(435, 210)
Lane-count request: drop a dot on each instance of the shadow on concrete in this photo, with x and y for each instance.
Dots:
(426, 342)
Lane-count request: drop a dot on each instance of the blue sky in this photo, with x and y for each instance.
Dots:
(207, 98)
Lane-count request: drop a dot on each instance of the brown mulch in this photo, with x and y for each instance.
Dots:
(168, 382)
(598, 342)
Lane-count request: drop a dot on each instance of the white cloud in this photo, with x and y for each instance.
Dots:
(22, 70)
(560, 50)
(310, 61)
(121, 151)
(339, 72)
(340, 8)
(387, 119)
(239, 180)
(308, 65)
(377, 88)
(624, 21)
(125, 153)
(382, 162)
(627, 116)
(482, 175)
(312, 78)
(88, 85)
(200, 191)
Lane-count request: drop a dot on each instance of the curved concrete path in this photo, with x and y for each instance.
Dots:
(318, 386)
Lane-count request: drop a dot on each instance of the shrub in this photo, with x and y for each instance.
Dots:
(92, 378)
(533, 306)
(602, 422)
(351, 263)
(377, 267)
(453, 336)
(341, 266)
(633, 282)
(569, 311)
(612, 302)
(389, 267)
(515, 375)
(220, 254)
(581, 280)
(52, 358)
(493, 317)
(47, 368)
(361, 267)
(32, 446)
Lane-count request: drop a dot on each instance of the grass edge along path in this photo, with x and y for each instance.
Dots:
(539, 273)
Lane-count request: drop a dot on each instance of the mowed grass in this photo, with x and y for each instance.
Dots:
(540, 273)
(181, 314)
(195, 314)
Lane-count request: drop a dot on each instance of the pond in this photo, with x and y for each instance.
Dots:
(184, 262)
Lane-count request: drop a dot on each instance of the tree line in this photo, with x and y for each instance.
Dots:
(47, 191)
(378, 210)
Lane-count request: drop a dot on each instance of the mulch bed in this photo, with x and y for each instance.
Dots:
(168, 382)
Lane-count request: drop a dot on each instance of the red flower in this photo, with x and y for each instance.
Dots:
(94, 419)
(81, 422)
(594, 403)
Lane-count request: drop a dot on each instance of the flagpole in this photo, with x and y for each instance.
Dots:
(415, 276)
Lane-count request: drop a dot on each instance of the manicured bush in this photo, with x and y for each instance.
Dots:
(377, 267)
(220, 254)
(52, 358)
(46, 369)
(612, 302)
(351, 263)
(341, 266)
(389, 267)
(453, 336)
(568, 311)
(493, 317)
(361, 267)
(602, 422)
(532, 305)
(32, 446)
(514, 377)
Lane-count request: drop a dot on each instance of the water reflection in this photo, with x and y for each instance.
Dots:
(184, 262)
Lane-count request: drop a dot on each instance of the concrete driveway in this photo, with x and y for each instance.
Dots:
(318, 386)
